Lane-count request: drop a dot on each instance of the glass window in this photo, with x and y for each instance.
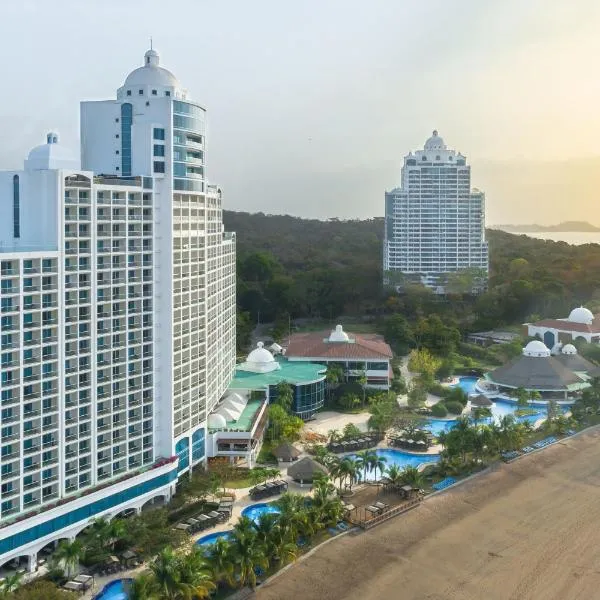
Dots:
(159, 150)
(141, 92)
(16, 208)
(129, 92)
(159, 166)
(154, 92)
(159, 133)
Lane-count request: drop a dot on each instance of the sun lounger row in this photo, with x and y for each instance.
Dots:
(203, 521)
(445, 483)
(271, 488)
(511, 455)
(353, 445)
(377, 508)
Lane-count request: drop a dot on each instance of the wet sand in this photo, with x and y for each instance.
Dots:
(528, 530)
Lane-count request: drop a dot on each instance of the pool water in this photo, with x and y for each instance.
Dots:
(207, 540)
(500, 409)
(115, 590)
(255, 510)
(401, 459)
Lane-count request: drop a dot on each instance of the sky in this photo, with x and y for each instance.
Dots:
(312, 105)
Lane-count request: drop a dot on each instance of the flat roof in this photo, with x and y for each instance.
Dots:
(294, 373)
(246, 419)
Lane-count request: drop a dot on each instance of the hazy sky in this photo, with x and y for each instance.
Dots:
(313, 104)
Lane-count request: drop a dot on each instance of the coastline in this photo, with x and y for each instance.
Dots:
(488, 498)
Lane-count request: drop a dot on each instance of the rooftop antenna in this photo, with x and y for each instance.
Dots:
(151, 43)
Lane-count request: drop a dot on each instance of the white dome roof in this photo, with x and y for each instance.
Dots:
(260, 355)
(151, 73)
(260, 360)
(569, 349)
(339, 335)
(581, 315)
(435, 142)
(51, 155)
(536, 348)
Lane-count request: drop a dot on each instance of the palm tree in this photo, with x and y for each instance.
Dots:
(165, 569)
(195, 578)
(68, 554)
(362, 381)
(143, 587)
(10, 583)
(248, 556)
(267, 531)
(220, 561)
(333, 377)
(378, 463)
(364, 461)
(412, 476)
(244, 526)
(292, 515)
(394, 474)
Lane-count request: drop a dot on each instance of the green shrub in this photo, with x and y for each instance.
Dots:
(437, 389)
(457, 394)
(454, 407)
(439, 410)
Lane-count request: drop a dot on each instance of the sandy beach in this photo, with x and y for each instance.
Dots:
(527, 530)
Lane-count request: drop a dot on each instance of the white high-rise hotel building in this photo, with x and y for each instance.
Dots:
(434, 222)
(117, 289)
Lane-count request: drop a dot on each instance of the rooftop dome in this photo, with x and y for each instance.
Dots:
(435, 142)
(537, 349)
(260, 360)
(151, 73)
(569, 349)
(581, 315)
(339, 335)
(51, 155)
(216, 421)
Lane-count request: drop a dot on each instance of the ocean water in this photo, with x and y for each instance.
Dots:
(575, 238)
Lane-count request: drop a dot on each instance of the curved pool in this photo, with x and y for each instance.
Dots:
(211, 538)
(262, 508)
(401, 459)
(115, 590)
(500, 409)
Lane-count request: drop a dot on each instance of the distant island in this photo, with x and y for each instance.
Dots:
(570, 226)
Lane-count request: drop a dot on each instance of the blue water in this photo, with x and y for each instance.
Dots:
(400, 458)
(255, 510)
(500, 409)
(113, 591)
(207, 540)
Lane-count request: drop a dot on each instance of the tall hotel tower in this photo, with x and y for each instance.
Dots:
(434, 223)
(118, 314)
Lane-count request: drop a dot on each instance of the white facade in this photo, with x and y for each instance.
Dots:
(118, 310)
(434, 223)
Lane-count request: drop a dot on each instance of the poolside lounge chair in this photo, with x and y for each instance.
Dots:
(373, 510)
(381, 505)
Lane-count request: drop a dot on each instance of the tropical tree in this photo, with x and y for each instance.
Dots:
(165, 570)
(11, 583)
(334, 435)
(292, 514)
(267, 531)
(248, 555)
(412, 476)
(142, 587)
(220, 561)
(481, 412)
(333, 377)
(378, 462)
(195, 578)
(284, 395)
(522, 397)
(67, 554)
(394, 474)
(364, 460)
(362, 381)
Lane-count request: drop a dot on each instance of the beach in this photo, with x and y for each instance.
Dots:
(526, 530)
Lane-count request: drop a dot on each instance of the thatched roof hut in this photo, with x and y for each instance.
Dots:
(286, 452)
(306, 470)
(481, 401)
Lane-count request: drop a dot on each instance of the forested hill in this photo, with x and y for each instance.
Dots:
(301, 267)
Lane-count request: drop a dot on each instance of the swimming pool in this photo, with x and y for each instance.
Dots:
(211, 538)
(115, 590)
(500, 409)
(401, 459)
(262, 508)
(467, 384)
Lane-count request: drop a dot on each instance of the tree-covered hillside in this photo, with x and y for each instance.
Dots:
(309, 268)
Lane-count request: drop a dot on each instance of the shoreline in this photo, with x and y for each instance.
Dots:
(470, 499)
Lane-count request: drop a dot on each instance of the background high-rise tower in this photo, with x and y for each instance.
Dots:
(435, 224)
(117, 285)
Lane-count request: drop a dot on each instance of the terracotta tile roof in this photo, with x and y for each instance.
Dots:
(363, 346)
(564, 325)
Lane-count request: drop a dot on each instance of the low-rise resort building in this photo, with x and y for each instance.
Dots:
(581, 324)
(559, 376)
(356, 354)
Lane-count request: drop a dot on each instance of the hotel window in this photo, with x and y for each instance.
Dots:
(154, 92)
(129, 92)
(159, 166)
(159, 133)
(159, 150)
(141, 92)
